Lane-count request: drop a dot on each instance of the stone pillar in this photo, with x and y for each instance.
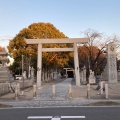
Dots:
(106, 90)
(29, 72)
(84, 75)
(81, 76)
(76, 65)
(39, 65)
(24, 75)
(91, 77)
(111, 63)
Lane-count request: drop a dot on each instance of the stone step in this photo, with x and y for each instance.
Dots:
(3, 81)
(3, 71)
(4, 77)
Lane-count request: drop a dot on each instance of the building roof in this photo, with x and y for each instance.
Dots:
(3, 53)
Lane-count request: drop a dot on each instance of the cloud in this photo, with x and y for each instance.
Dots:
(5, 37)
(4, 40)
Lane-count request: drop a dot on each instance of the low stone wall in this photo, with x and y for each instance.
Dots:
(4, 88)
(26, 83)
(23, 84)
(118, 74)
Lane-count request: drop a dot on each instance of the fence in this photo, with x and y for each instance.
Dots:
(4, 88)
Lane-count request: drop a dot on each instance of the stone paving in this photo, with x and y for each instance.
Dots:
(61, 89)
(45, 99)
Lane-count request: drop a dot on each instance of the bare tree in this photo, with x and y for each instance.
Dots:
(94, 51)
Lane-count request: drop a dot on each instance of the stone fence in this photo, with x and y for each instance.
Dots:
(26, 83)
(118, 75)
(7, 87)
(4, 88)
(22, 84)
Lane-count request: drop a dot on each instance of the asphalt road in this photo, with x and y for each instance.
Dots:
(61, 113)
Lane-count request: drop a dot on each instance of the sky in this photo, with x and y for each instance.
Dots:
(69, 16)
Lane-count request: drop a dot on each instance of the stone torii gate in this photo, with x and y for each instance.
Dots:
(57, 41)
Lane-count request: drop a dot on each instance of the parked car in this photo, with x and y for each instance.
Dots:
(18, 77)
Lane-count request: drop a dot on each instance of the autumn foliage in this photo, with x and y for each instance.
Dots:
(17, 46)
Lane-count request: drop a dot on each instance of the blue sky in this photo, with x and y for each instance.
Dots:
(69, 16)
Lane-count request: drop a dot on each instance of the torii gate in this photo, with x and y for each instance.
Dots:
(57, 41)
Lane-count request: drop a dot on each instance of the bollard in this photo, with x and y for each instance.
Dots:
(16, 91)
(88, 91)
(53, 90)
(18, 84)
(106, 90)
(70, 90)
(101, 87)
(34, 91)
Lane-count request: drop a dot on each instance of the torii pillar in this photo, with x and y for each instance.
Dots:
(39, 65)
(76, 65)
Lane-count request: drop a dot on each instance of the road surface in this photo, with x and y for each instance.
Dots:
(61, 113)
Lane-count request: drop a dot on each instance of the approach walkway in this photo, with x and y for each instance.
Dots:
(45, 98)
(61, 91)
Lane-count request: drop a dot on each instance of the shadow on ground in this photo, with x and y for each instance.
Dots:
(5, 106)
(103, 103)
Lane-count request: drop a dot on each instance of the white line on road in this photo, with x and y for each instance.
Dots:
(72, 116)
(53, 118)
(39, 117)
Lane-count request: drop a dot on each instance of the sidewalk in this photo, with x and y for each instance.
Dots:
(45, 99)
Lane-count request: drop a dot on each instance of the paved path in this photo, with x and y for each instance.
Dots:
(45, 99)
(61, 89)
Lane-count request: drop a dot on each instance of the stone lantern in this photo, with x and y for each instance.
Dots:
(5, 74)
(3, 58)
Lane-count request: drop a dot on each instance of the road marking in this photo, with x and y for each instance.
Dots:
(72, 116)
(53, 117)
(39, 117)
